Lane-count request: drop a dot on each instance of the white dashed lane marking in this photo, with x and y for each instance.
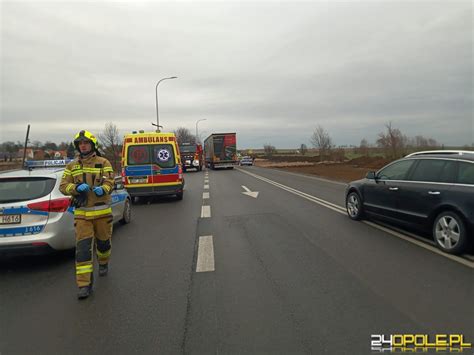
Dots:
(206, 212)
(205, 259)
(206, 187)
(205, 195)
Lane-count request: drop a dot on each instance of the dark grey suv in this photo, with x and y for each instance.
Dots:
(433, 190)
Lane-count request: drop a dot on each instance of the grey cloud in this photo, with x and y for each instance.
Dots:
(253, 67)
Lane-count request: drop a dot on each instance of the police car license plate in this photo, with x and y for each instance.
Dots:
(10, 219)
(139, 181)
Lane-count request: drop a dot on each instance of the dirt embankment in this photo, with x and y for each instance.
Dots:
(341, 171)
(4, 166)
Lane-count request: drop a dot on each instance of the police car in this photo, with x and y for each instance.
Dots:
(36, 217)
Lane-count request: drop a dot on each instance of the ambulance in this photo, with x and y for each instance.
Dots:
(151, 165)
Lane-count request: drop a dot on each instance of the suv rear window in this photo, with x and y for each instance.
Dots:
(466, 173)
(25, 189)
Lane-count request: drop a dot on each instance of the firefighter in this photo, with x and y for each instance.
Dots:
(89, 179)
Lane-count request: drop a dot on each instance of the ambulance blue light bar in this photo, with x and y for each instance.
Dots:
(36, 164)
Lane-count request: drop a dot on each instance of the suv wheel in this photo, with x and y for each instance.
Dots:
(127, 213)
(449, 233)
(354, 206)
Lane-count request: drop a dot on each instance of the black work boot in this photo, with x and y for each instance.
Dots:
(103, 269)
(84, 292)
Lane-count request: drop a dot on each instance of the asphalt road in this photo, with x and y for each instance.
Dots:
(283, 273)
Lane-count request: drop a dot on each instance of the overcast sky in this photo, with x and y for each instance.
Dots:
(270, 71)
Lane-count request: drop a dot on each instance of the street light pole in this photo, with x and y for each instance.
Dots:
(197, 136)
(156, 97)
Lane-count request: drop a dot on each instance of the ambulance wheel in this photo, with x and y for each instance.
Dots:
(179, 195)
(127, 213)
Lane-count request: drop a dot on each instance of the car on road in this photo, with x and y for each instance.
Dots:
(431, 191)
(36, 217)
(246, 161)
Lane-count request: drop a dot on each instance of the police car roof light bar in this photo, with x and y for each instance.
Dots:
(37, 164)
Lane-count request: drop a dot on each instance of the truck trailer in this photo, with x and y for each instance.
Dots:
(220, 151)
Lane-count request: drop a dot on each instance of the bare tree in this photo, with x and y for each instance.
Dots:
(111, 144)
(433, 143)
(392, 141)
(11, 148)
(364, 147)
(303, 149)
(338, 154)
(184, 135)
(50, 145)
(71, 151)
(322, 141)
(420, 142)
(36, 144)
(269, 150)
(63, 146)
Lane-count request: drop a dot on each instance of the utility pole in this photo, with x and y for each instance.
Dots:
(26, 143)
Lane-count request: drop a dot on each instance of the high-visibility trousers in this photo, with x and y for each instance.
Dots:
(91, 232)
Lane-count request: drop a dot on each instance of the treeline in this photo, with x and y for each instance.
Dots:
(110, 146)
(391, 142)
(12, 147)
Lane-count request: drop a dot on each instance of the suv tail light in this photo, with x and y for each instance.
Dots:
(56, 205)
(180, 172)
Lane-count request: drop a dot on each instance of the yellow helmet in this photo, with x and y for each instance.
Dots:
(86, 136)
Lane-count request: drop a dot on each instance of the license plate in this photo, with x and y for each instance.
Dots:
(10, 219)
(139, 181)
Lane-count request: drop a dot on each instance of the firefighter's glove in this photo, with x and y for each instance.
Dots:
(82, 188)
(99, 191)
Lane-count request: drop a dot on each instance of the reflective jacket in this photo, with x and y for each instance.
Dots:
(94, 171)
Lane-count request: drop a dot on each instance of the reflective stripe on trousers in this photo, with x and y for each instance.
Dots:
(95, 211)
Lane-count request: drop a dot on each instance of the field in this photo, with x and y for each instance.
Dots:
(345, 164)
(345, 171)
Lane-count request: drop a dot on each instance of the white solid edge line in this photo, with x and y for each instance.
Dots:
(205, 195)
(421, 244)
(206, 212)
(305, 176)
(342, 210)
(205, 259)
